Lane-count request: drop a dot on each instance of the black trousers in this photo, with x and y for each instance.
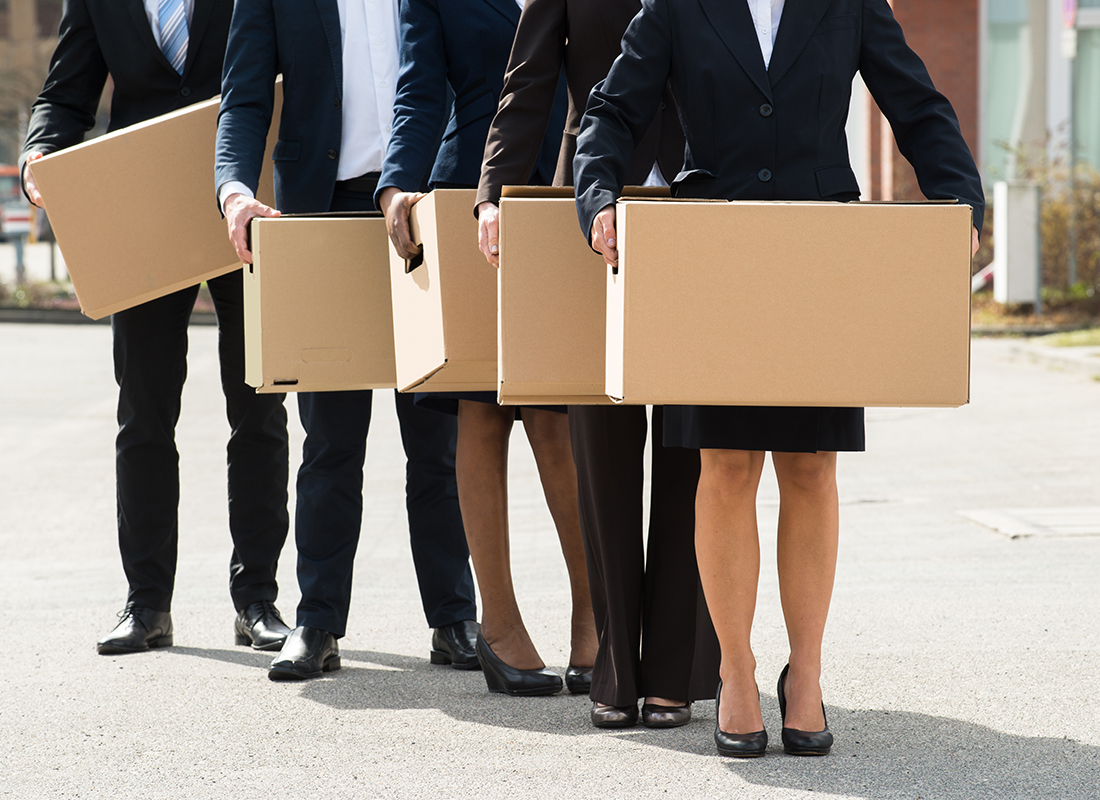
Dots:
(655, 634)
(150, 354)
(329, 513)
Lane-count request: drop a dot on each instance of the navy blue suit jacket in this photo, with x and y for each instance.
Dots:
(301, 40)
(463, 43)
(776, 133)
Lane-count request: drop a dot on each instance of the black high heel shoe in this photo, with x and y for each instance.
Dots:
(578, 680)
(737, 745)
(802, 743)
(503, 679)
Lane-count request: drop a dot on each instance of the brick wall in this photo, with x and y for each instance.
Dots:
(944, 33)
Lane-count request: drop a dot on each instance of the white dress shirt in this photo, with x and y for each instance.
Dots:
(368, 34)
(765, 16)
(152, 11)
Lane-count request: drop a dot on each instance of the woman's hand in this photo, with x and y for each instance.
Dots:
(396, 205)
(604, 240)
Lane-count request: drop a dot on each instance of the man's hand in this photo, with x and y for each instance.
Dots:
(29, 185)
(488, 232)
(239, 210)
(396, 205)
(975, 243)
(604, 240)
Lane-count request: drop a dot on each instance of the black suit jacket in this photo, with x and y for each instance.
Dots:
(583, 36)
(463, 44)
(775, 133)
(101, 37)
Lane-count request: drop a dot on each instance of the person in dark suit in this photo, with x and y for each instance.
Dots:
(656, 639)
(162, 56)
(763, 88)
(339, 64)
(465, 44)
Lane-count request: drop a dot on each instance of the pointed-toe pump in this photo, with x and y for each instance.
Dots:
(504, 679)
(802, 743)
(737, 745)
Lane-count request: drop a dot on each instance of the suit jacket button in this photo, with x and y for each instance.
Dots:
(185, 92)
(332, 154)
(766, 110)
(765, 175)
(336, 102)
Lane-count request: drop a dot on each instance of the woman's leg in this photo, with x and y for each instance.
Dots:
(548, 433)
(481, 467)
(727, 546)
(809, 524)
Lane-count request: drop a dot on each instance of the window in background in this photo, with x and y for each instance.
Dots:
(1007, 78)
(1086, 103)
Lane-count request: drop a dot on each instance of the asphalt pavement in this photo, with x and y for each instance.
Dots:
(960, 662)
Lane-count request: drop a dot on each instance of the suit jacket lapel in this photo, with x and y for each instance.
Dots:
(508, 8)
(145, 33)
(733, 22)
(199, 17)
(330, 21)
(800, 19)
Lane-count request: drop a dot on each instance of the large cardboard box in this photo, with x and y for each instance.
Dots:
(792, 304)
(318, 315)
(552, 302)
(444, 302)
(134, 211)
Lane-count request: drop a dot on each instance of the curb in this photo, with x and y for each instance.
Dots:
(64, 316)
(1083, 360)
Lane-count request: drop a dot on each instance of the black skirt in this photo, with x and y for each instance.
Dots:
(777, 429)
(447, 402)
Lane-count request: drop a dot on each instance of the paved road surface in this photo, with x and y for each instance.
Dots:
(960, 663)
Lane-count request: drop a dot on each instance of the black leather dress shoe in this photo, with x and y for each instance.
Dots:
(503, 679)
(578, 680)
(655, 716)
(306, 654)
(802, 743)
(261, 626)
(737, 745)
(456, 644)
(613, 716)
(138, 630)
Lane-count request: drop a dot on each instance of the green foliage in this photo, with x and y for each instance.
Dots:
(1065, 202)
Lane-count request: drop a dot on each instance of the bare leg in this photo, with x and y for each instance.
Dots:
(728, 549)
(809, 524)
(481, 467)
(548, 433)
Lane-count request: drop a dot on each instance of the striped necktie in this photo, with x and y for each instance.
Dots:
(173, 32)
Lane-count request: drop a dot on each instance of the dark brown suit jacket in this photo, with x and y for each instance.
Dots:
(584, 36)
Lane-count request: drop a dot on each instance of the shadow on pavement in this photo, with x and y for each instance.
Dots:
(892, 754)
(878, 755)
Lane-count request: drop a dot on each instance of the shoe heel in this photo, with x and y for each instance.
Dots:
(331, 665)
(438, 657)
(163, 641)
(242, 641)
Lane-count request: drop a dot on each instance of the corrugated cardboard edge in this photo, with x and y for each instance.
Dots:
(253, 324)
(114, 308)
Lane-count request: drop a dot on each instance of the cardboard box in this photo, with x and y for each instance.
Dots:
(317, 309)
(444, 302)
(791, 304)
(134, 211)
(552, 302)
